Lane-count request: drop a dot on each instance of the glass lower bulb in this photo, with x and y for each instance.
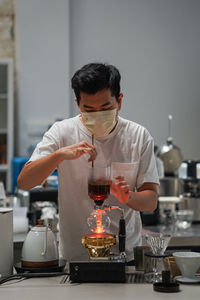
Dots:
(98, 221)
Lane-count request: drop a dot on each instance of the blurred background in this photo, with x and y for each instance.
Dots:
(154, 43)
(156, 46)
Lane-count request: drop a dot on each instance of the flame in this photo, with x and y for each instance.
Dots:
(99, 230)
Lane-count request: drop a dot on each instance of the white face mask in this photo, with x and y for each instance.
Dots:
(100, 123)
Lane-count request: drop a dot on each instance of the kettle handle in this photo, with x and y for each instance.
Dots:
(45, 242)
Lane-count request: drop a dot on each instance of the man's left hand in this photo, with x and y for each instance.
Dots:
(120, 189)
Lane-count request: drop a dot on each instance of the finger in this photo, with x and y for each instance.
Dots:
(123, 186)
(92, 154)
(119, 177)
(86, 144)
(91, 159)
(121, 183)
(126, 188)
(93, 150)
(89, 151)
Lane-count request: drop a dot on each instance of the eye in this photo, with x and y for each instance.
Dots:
(107, 108)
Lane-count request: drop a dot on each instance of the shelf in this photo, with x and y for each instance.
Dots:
(3, 167)
(6, 121)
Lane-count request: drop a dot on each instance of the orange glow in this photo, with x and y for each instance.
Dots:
(99, 228)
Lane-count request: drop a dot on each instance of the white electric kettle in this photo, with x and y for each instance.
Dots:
(40, 247)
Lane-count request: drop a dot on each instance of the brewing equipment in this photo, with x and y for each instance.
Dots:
(189, 176)
(39, 256)
(101, 265)
(40, 247)
(168, 206)
(37, 200)
(154, 260)
(169, 187)
(170, 154)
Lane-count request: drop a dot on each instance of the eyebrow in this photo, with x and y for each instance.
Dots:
(103, 105)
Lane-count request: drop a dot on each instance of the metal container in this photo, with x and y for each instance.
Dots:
(167, 207)
(169, 186)
(169, 153)
(189, 174)
(188, 169)
(139, 257)
(190, 203)
(189, 178)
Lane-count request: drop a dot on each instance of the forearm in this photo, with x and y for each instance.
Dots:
(142, 201)
(35, 172)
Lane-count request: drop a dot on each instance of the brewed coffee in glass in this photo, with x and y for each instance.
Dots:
(99, 184)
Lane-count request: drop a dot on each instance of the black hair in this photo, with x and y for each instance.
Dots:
(95, 77)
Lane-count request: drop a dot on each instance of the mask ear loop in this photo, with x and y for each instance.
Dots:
(93, 145)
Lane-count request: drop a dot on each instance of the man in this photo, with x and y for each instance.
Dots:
(124, 145)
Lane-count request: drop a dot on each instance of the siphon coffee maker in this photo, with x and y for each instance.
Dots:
(99, 243)
(101, 265)
(154, 260)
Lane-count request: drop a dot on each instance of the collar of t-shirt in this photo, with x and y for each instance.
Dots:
(86, 131)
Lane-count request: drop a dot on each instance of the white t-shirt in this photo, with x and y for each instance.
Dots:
(128, 149)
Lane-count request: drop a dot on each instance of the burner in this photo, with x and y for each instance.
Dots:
(98, 245)
(57, 268)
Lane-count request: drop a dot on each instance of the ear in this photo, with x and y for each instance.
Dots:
(75, 99)
(120, 101)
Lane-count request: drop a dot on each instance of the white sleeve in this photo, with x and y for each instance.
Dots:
(147, 168)
(49, 144)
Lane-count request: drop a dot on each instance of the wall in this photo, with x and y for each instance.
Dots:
(42, 33)
(156, 46)
(154, 43)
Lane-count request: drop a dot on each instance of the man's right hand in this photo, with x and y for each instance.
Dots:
(75, 151)
(35, 172)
